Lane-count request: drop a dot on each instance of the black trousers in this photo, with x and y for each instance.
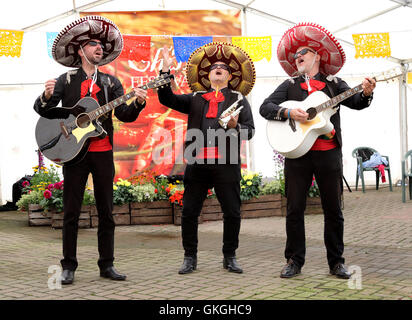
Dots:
(226, 181)
(101, 166)
(327, 168)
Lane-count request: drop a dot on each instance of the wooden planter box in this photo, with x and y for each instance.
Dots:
(211, 210)
(313, 206)
(38, 217)
(157, 212)
(121, 215)
(84, 218)
(177, 215)
(265, 206)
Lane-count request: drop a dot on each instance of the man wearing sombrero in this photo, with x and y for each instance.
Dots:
(85, 44)
(220, 75)
(311, 55)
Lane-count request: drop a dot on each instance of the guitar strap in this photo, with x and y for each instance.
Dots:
(105, 82)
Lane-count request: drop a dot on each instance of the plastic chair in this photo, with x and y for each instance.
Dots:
(407, 174)
(362, 154)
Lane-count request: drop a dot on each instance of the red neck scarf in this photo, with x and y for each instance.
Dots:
(84, 89)
(315, 85)
(213, 102)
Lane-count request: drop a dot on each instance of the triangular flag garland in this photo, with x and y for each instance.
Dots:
(257, 47)
(10, 42)
(409, 77)
(184, 46)
(370, 45)
(136, 48)
(50, 37)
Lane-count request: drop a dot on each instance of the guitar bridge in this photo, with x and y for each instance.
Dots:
(64, 130)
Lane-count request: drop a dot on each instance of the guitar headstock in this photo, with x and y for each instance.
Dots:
(389, 75)
(159, 81)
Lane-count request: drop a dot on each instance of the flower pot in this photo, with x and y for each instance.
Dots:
(156, 212)
(38, 217)
(265, 206)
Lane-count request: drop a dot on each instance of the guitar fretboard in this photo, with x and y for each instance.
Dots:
(339, 98)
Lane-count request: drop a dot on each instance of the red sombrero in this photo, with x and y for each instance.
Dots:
(68, 41)
(241, 65)
(316, 37)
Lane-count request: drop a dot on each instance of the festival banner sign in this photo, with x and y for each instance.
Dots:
(137, 144)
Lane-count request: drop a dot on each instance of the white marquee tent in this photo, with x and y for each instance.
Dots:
(383, 126)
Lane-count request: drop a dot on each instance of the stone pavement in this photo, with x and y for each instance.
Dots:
(378, 244)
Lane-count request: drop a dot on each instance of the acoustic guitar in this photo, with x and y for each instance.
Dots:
(63, 135)
(294, 139)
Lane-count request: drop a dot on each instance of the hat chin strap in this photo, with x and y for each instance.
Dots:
(305, 74)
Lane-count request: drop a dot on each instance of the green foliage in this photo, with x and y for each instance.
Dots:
(88, 198)
(34, 197)
(274, 187)
(43, 177)
(143, 192)
(161, 185)
(250, 185)
(122, 192)
(314, 190)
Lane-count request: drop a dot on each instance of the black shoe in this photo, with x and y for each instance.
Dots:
(290, 270)
(189, 264)
(231, 265)
(67, 277)
(340, 271)
(112, 273)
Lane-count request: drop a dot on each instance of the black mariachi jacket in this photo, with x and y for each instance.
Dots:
(196, 106)
(291, 90)
(67, 90)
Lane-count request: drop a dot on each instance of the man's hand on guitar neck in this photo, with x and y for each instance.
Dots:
(141, 95)
(296, 114)
(368, 85)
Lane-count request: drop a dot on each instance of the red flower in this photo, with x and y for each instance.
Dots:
(50, 187)
(47, 194)
(167, 189)
(156, 191)
(25, 184)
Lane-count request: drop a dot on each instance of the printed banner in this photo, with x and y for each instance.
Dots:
(136, 48)
(136, 144)
(372, 45)
(257, 47)
(184, 46)
(50, 37)
(10, 42)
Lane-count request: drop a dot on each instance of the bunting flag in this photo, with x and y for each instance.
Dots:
(50, 36)
(370, 45)
(10, 42)
(136, 48)
(257, 47)
(184, 46)
(410, 77)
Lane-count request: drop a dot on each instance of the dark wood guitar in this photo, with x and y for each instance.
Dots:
(63, 135)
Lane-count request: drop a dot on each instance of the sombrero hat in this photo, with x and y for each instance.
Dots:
(313, 36)
(241, 65)
(67, 42)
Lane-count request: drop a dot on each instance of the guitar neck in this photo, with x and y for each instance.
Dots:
(98, 112)
(339, 98)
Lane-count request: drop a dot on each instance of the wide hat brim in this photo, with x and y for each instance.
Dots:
(316, 37)
(67, 43)
(241, 65)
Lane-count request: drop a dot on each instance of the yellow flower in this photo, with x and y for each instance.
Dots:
(57, 166)
(249, 183)
(243, 187)
(127, 183)
(35, 170)
(177, 181)
(114, 187)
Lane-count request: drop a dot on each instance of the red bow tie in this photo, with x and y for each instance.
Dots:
(213, 102)
(315, 85)
(85, 89)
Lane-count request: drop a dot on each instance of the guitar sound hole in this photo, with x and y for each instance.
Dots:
(312, 113)
(83, 121)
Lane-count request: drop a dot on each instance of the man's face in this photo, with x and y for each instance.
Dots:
(304, 58)
(219, 72)
(93, 50)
